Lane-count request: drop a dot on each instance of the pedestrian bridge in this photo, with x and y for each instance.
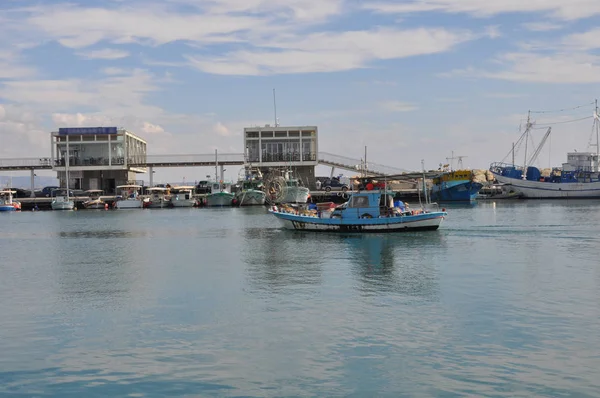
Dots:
(206, 160)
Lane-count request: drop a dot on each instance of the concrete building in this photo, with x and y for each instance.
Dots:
(283, 147)
(97, 157)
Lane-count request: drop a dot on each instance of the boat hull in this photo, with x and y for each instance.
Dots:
(184, 203)
(420, 222)
(128, 204)
(94, 205)
(9, 207)
(68, 205)
(550, 190)
(455, 191)
(250, 197)
(219, 199)
(160, 204)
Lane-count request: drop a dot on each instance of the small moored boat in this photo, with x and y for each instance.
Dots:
(183, 196)
(220, 195)
(6, 201)
(129, 198)
(365, 211)
(95, 200)
(61, 200)
(159, 198)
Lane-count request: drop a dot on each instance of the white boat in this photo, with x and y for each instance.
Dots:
(183, 196)
(250, 193)
(579, 177)
(6, 201)
(159, 198)
(129, 197)
(294, 192)
(95, 200)
(220, 195)
(61, 200)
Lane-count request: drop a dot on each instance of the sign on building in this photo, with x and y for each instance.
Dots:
(86, 130)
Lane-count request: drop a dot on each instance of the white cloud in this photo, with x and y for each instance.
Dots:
(556, 68)
(105, 53)
(398, 106)
(332, 51)
(79, 27)
(563, 67)
(560, 9)
(541, 26)
(582, 41)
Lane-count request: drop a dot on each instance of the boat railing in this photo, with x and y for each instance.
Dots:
(501, 165)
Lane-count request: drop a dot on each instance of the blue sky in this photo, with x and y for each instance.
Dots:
(411, 79)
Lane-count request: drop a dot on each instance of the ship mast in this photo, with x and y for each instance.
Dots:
(528, 127)
(596, 121)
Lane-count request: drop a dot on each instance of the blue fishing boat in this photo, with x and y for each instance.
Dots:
(365, 211)
(455, 186)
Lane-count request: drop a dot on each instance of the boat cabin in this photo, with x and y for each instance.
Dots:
(6, 197)
(220, 187)
(183, 192)
(129, 191)
(252, 184)
(368, 204)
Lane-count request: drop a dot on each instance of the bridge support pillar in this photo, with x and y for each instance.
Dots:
(32, 176)
(332, 171)
(222, 172)
(150, 176)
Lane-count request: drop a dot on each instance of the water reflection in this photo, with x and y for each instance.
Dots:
(395, 263)
(94, 264)
(278, 259)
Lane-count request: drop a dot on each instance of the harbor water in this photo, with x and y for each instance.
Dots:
(502, 301)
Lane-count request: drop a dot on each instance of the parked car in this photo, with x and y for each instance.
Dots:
(334, 184)
(20, 193)
(46, 192)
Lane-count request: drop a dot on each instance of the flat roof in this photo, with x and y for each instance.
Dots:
(81, 131)
(279, 128)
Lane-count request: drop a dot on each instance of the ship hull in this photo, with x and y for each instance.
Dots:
(250, 197)
(551, 190)
(128, 204)
(68, 205)
(219, 199)
(421, 222)
(455, 191)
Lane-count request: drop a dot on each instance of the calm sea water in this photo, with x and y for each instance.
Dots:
(503, 300)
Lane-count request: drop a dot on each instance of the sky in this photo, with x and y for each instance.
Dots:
(411, 80)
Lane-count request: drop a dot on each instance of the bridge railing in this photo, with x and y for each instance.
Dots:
(25, 162)
(357, 164)
(199, 158)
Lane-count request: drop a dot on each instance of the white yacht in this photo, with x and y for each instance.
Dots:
(61, 200)
(183, 196)
(129, 197)
(159, 198)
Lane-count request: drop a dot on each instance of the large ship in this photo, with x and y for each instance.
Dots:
(455, 186)
(579, 177)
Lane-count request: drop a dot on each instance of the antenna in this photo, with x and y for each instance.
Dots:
(275, 108)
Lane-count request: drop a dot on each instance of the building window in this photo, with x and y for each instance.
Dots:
(266, 134)
(252, 134)
(280, 134)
